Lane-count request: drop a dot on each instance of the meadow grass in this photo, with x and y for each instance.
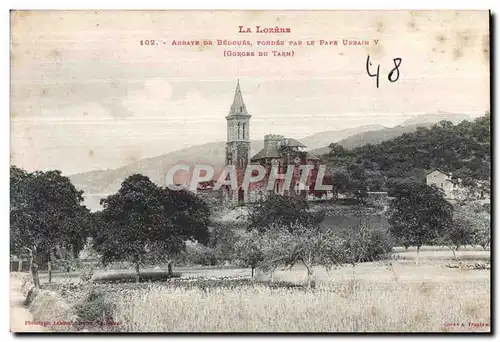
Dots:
(363, 302)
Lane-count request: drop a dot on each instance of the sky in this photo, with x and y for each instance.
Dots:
(86, 95)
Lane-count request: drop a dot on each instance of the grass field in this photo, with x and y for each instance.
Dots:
(352, 306)
(407, 298)
(372, 297)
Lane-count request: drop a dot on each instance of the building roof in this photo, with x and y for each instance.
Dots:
(439, 170)
(269, 151)
(238, 107)
(293, 142)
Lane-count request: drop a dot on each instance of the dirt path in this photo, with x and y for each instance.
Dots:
(19, 314)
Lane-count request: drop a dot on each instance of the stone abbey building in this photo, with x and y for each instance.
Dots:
(286, 154)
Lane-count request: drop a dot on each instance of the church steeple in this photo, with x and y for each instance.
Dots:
(238, 132)
(238, 107)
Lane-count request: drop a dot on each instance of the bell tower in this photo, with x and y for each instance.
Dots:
(238, 132)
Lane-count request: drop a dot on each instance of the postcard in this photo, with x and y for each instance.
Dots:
(250, 171)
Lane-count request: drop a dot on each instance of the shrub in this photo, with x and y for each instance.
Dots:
(124, 277)
(223, 239)
(86, 274)
(379, 244)
(196, 254)
(95, 309)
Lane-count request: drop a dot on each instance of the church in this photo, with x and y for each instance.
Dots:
(285, 154)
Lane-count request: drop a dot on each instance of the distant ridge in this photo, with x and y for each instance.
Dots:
(96, 184)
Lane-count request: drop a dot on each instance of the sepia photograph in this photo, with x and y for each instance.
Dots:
(250, 171)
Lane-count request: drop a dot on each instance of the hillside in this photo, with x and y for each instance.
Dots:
(322, 139)
(381, 133)
(462, 149)
(425, 119)
(109, 181)
(376, 137)
(96, 184)
(370, 137)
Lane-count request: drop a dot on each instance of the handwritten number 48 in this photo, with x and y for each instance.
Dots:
(393, 74)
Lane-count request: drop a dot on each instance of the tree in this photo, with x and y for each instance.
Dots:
(358, 183)
(142, 220)
(223, 240)
(277, 248)
(316, 246)
(46, 216)
(128, 221)
(337, 150)
(418, 214)
(356, 244)
(478, 218)
(249, 251)
(459, 233)
(281, 210)
(363, 242)
(352, 180)
(311, 245)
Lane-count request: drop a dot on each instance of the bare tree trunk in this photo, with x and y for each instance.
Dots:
(31, 263)
(418, 250)
(49, 266)
(310, 274)
(20, 265)
(34, 268)
(272, 273)
(454, 254)
(310, 278)
(137, 271)
(393, 272)
(36, 277)
(169, 267)
(253, 269)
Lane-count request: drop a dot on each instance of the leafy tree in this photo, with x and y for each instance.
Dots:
(419, 214)
(142, 219)
(46, 216)
(281, 210)
(363, 242)
(353, 181)
(358, 183)
(478, 218)
(223, 239)
(315, 246)
(276, 246)
(198, 254)
(459, 233)
(311, 245)
(188, 214)
(249, 250)
(338, 150)
(128, 222)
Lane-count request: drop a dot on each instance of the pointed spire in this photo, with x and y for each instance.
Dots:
(238, 107)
